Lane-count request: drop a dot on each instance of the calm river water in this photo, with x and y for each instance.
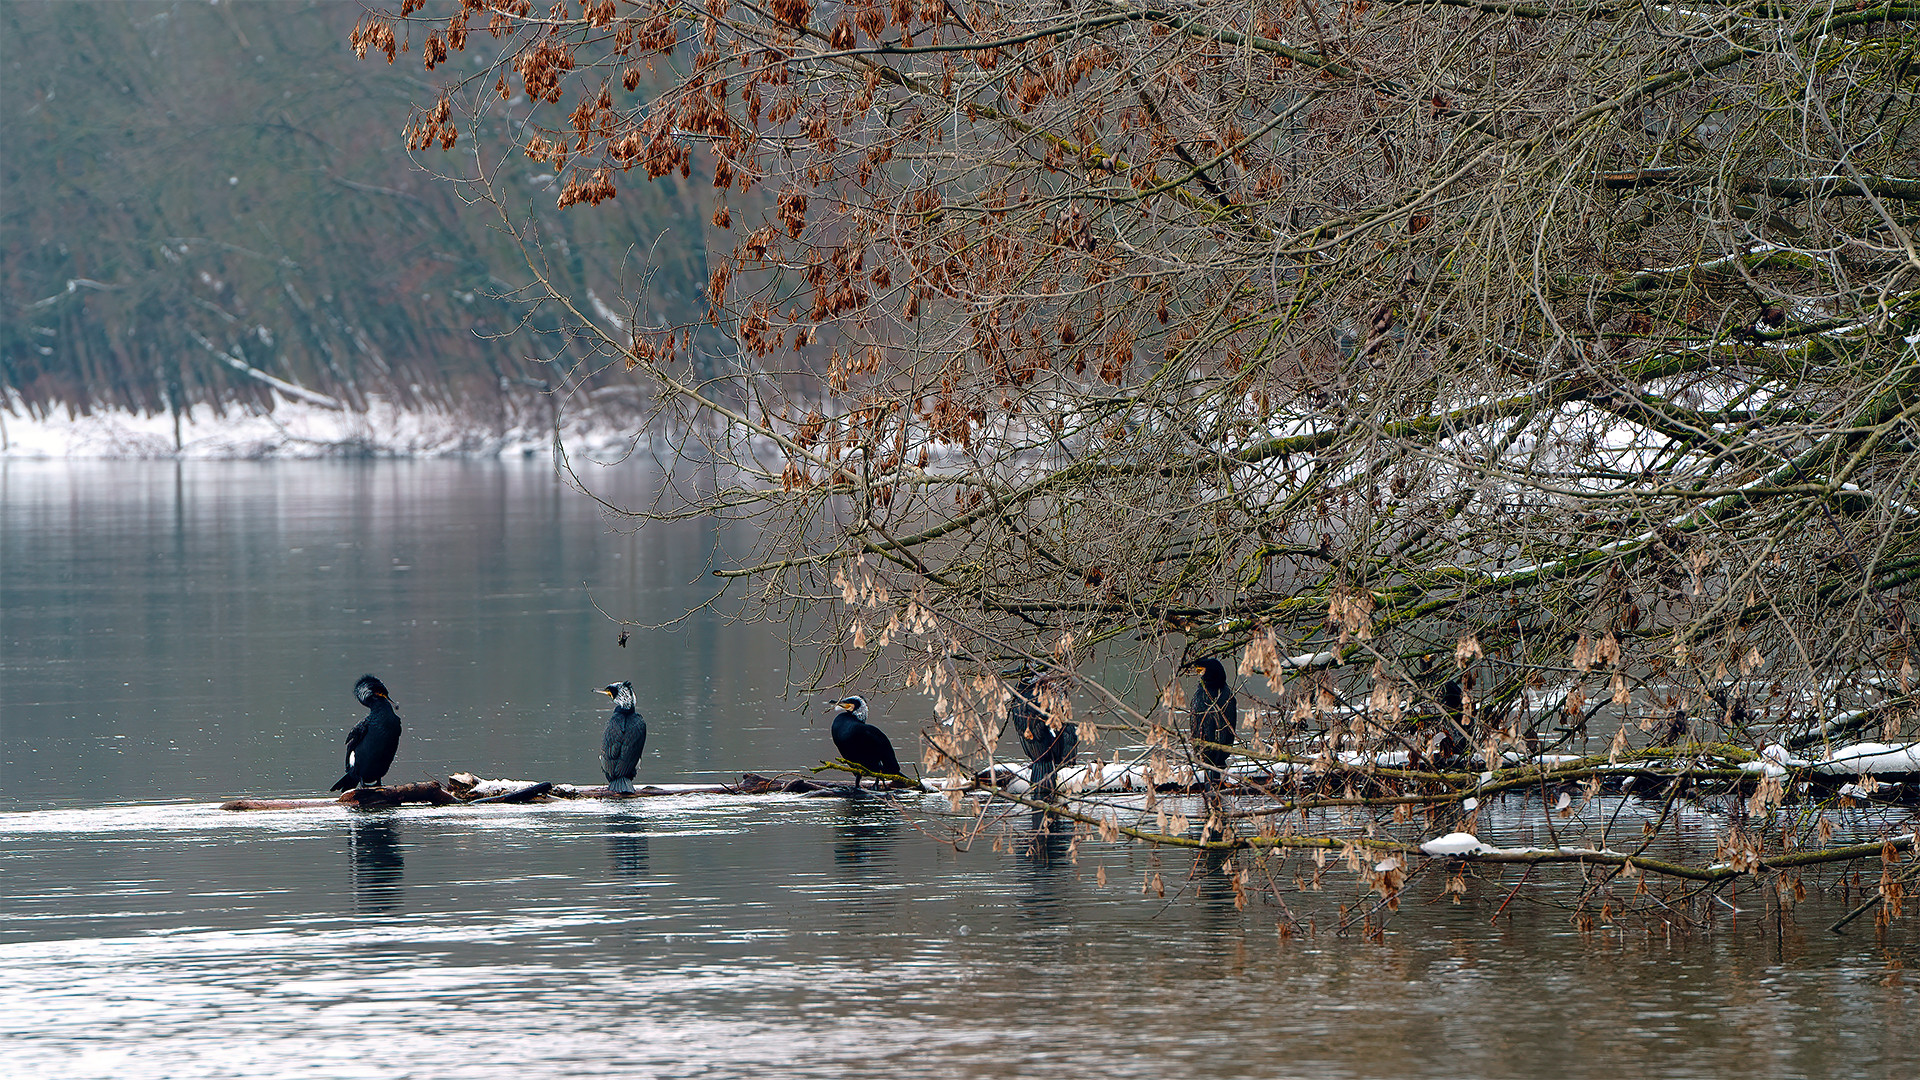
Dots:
(172, 635)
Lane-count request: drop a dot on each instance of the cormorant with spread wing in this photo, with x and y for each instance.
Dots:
(1214, 714)
(1047, 747)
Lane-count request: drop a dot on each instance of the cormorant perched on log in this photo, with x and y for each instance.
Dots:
(1678, 729)
(626, 736)
(371, 743)
(860, 742)
(1215, 712)
(1046, 747)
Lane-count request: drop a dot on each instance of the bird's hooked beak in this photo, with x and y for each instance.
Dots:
(603, 690)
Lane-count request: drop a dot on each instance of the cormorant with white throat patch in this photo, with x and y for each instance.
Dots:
(372, 742)
(860, 742)
(1215, 712)
(626, 737)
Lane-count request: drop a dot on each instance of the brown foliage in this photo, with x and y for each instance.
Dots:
(1374, 328)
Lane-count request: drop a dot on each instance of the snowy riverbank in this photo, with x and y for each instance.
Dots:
(301, 430)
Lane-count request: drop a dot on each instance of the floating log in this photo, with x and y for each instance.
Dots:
(424, 792)
(755, 784)
(467, 789)
(470, 789)
(276, 804)
(523, 795)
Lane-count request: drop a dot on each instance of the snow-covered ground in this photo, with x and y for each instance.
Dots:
(296, 429)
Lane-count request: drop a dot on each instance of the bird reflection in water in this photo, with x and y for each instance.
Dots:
(1046, 869)
(866, 841)
(627, 845)
(1046, 839)
(1213, 885)
(378, 862)
(865, 835)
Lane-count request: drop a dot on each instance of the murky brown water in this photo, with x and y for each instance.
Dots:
(170, 636)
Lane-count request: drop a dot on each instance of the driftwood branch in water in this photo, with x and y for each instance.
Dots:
(426, 791)
(1874, 900)
(1111, 829)
(650, 791)
(276, 804)
(460, 785)
(755, 784)
(843, 765)
(1716, 872)
(525, 794)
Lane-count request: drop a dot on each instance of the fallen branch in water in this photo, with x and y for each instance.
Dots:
(843, 765)
(1714, 872)
(1875, 900)
(1111, 829)
(525, 794)
(427, 791)
(276, 804)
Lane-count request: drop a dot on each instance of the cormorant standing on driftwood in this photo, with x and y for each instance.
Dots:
(371, 743)
(1046, 747)
(860, 742)
(626, 736)
(1214, 714)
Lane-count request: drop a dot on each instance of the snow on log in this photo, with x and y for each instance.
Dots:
(1456, 843)
(1870, 758)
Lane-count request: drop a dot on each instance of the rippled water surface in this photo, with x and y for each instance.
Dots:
(171, 636)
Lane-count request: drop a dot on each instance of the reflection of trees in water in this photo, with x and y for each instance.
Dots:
(627, 845)
(377, 861)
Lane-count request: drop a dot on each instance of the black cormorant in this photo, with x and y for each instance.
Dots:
(626, 736)
(1046, 747)
(860, 742)
(1214, 714)
(371, 743)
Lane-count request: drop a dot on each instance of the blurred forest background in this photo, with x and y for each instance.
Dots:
(200, 198)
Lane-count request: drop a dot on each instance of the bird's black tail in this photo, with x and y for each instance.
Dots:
(344, 783)
(1040, 779)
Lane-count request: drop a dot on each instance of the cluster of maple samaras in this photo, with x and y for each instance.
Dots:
(433, 126)
(603, 137)
(551, 53)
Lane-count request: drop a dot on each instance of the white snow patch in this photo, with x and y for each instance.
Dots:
(1391, 759)
(309, 429)
(1514, 757)
(1869, 757)
(1458, 843)
(1854, 759)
